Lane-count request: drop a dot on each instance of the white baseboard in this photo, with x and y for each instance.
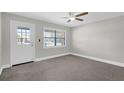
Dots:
(3, 67)
(76, 54)
(100, 60)
(6, 66)
(84, 56)
(49, 57)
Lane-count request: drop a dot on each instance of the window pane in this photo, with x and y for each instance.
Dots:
(28, 33)
(18, 30)
(60, 42)
(23, 36)
(18, 41)
(28, 41)
(18, 36)
(18, 33)
(48, 42)
(23, 33)
(49, 34)
(60, 34)
(54, 38)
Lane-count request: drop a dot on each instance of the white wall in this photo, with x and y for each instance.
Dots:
(104, 39)
(0, 42)
(40, 51)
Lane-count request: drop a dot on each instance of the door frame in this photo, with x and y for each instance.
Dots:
(12, 45)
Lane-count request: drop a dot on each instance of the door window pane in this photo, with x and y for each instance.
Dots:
(28, 41)
(19, 36)
(23, 36)
(24, 33)
(28, 33)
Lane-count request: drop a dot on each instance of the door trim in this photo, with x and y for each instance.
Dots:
(12, 49)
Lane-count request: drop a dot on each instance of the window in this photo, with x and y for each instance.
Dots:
(23, 36)
(54, 38)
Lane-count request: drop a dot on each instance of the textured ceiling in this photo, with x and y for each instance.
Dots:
(56, 17)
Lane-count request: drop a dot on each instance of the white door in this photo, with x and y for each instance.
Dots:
(22, 42)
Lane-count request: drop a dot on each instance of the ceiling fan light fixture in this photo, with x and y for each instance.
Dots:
(72, 18)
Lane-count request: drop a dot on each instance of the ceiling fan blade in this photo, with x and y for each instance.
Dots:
(81, 14)
(79, 19)
(69, 21)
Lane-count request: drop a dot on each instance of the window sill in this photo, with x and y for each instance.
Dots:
(54, 47)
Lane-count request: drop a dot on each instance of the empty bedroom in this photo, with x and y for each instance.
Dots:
(61, 46)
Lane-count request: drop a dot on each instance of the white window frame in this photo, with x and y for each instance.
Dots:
(54, 29)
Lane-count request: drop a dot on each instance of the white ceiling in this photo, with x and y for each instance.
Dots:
(56, 17)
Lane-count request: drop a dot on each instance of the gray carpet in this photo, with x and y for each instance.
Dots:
(65, 68)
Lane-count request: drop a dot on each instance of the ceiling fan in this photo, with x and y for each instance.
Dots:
(72, 17)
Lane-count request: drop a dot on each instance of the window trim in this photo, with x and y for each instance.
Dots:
(54, 29)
